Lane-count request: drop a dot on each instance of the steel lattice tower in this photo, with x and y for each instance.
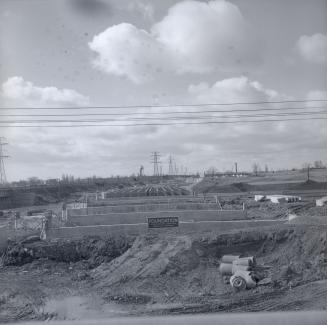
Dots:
(155, 161)
(3, 178)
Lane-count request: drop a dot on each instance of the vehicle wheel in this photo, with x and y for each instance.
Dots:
(238, 284)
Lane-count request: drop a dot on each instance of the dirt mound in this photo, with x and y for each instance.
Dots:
(298, 256)
(230, 188)
(149, 257)
(214, 186)
(93, 249)
(208, 185)
(165, 269)
(181, 268)
(311, 185)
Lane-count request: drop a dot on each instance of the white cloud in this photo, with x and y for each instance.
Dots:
(27, 94)
(317, 94)
(125, 50)
(194, 37)
(238, 89)
(313, 48)
(206, 36)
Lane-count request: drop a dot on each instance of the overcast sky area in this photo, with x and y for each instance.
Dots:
(73, 53)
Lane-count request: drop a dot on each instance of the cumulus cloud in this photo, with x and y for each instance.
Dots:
(238, 89)
(194, 37)
(125, 50)
(313, 48)
(25, 92)
(206, 36)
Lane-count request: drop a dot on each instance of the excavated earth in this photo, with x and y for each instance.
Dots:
(163, 274)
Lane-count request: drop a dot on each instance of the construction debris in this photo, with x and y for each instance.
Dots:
(277, 198)
(241, 271)
(243, 279)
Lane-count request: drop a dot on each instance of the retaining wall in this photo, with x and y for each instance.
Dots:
(141, 217)
(139, 229)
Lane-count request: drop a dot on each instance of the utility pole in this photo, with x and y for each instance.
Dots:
(155, 161)
(236, 168)
(308, 173)
(171, 168)
(141, 171)
(3, 178)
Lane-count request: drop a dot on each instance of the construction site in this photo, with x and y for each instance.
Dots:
(163, 162)
(162, 249)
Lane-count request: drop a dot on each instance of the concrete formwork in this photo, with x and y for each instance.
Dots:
(150, 200)
(141, 217)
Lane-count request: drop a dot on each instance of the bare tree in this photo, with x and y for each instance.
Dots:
(255, 168)
(318, 164)
(211, 171)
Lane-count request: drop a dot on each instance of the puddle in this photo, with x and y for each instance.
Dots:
(78, 307)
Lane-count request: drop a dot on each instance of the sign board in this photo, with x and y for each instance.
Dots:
(162, 222)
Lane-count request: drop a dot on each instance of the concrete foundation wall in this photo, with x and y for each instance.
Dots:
(141, 217)
(142, 208)
(139, 229)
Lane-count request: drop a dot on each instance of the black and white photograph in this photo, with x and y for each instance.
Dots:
(163, 162)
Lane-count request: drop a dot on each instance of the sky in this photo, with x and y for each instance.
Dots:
(74, 53)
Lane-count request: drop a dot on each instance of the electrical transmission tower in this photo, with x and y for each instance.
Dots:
(3, 178)
(155, 161)
(171, 168)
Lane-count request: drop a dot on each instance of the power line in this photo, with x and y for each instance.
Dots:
(166, 118)
(163, 124)
(169, 105)
(163, 113)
